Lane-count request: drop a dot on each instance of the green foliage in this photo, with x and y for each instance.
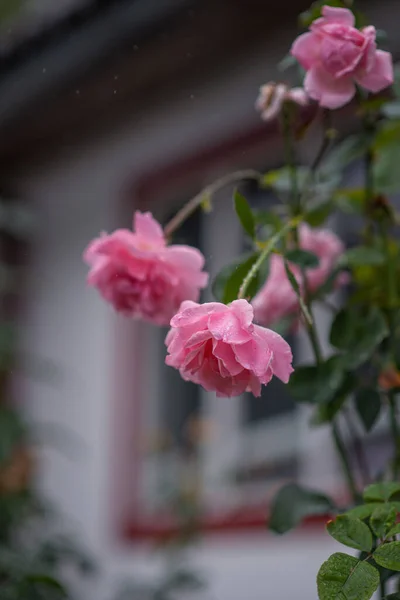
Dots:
(12, 432)
(368, 405)
(388, 556)
(293, 503)
(343, 577)
(303, 258)
(351, 532)
(226, 285)
(280, 180)
(363, 255)
(382, 520)
(363, 511)
(317, 384)
(244, 213)
(358, 333)
(347, 151)
(381, 492)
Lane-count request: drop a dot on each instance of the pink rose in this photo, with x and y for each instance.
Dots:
(277, 299)
(336, 55)
(140, 275)
(220, 348)
(272, 97)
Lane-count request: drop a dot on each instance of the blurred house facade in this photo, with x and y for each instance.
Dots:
(138, 104)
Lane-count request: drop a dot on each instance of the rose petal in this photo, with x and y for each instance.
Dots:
(305, 49)
(330, 92)
(380, 74)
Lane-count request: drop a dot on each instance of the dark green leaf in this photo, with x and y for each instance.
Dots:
(318, 215)
(382, 520)
(351, 532)
(303, 258)
(225, 286)
(325, 413)
(270, 218)
(381, 492)
(385, 168)
(359, 333)
(293, 503)
(317, 384)
(362, 256)
(395, 596)
(368, 405)
(343, 577)
(388, 556)
(47, 581)
(244, 213)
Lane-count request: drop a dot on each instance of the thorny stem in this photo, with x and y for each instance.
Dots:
(395, 432)
(193, 204)
(341, 450)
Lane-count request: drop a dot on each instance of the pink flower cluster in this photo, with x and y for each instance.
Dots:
(277, 299)
(140, 275)
(336, 55)
(220, 348)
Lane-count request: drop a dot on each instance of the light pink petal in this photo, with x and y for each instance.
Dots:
(305, 49)
(244, 312)
(282, 354)
(198, 338)
(191, 312)
(299, 96)
(338, 15)
(380, 74)
(330, 92)
(255, 355)
(225, 353)
(188, 262)
(145, 225)
(226, 326)
(254, 386)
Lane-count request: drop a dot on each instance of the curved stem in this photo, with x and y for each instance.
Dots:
(265, 253)
(193, 204)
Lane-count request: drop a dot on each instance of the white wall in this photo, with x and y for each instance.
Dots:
(76, 197)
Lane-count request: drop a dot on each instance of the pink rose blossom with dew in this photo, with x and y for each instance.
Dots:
(220, 348)
(272, 97)
(140, 275)
(336, 56)
(277, 300)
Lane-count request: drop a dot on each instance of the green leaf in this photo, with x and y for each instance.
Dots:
(303, 258)
(244, 213)
(343, 577)
(368, 405)
(347, 151)
(281, 179)
(385, 171)
(317, 384)
(225, 286)
(318, 215)
(270, 218)
(325, 413)
(363, 255)
(293, 503)
(287, 62)
(363, 511)
(388, 556)
(391, 110)
(359, 333)
(394, 531)
(45, 580)
(382, 520)
(350, 200)
(381, 492)
(395, 596)
(351, 532)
